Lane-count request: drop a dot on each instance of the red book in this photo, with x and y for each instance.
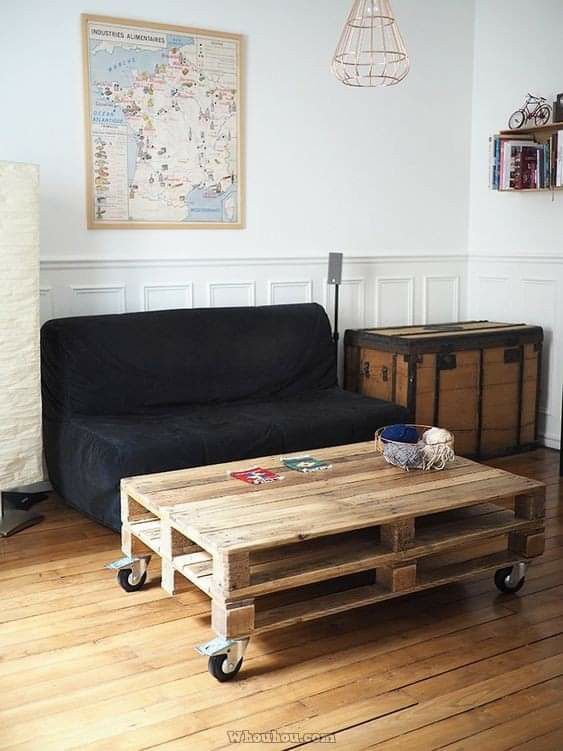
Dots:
(257, 476)
(529, 167)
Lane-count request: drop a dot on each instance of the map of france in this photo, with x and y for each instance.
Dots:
(164, 126)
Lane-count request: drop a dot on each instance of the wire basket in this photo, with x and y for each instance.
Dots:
(428, 453)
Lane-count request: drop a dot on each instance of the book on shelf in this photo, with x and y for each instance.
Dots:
(522, 163)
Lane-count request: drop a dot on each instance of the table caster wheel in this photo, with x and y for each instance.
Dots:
(126, 582)
(507, 580)
(220, 667)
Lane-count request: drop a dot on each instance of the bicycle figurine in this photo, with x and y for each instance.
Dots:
(535, 108)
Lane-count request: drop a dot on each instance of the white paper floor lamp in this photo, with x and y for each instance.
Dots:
(20, 395)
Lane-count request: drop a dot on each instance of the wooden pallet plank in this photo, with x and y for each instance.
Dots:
(131, 543)
(172, 581)
(132, 510)
(390, 482)
(528, 544)
(320, 607)
(189, 485)
(335, 512)
(232, 620)
(347, 471)
(231, 571)
(530, 505)
(397, 577)
(398, 536)
(323, 559)
(238, 502)
(208, 473)
(173, 543)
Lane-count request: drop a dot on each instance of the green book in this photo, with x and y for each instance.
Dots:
(305, 464)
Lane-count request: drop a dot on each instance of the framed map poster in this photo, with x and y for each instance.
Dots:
(163, 126)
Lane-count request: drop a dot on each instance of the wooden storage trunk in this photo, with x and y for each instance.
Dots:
(479, 379)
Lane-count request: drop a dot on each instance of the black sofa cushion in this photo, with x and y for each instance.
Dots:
(99, 450)
(131, 363)
(150, 392)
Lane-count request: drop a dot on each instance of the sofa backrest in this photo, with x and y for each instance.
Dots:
(134, 362)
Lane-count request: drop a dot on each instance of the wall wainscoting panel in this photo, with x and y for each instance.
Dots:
(352, 311)
(539, 298)
(231, 294)
(46, 308)
(526, 289)
(376, 290)
(494, 296)
(351, 303)
(99, 299)
(167, 296)
(440, 299)
(384, 290)
(394, 301)
(283, 293)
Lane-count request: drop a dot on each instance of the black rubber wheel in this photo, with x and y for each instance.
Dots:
(217, 665)
(543, 115)
(123, 579)
(501, 578)
(516, 120)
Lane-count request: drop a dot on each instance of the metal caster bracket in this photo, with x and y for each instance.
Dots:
(233, 649)
(517, 574)
(137, 564)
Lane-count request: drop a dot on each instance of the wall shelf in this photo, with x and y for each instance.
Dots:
(536, 129)
(537, 166)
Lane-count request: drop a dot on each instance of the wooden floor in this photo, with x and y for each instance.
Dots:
(85, 665)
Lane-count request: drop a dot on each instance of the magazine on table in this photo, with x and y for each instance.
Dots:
(257, 476)
(305, 463)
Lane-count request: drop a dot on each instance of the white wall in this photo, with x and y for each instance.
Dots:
(328, 167)
(515, 240)
(383, 175)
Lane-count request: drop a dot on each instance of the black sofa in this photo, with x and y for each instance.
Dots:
(147, 392)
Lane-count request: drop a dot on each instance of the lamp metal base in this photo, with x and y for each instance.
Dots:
(14, 520)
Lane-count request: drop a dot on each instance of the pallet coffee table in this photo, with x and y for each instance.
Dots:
(312, 545)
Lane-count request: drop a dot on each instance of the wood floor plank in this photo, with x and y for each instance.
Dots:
(503, 736)
(83, 665)
(442, 685)
(552, 741)
(302, 689)
(466, 726)
(371, 732)
(456, 656)
(291, 721)
(280, 678)
(290, 668)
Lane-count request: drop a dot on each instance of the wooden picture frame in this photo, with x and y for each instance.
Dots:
(121, 123)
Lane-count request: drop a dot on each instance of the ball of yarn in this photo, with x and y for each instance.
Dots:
(400, 433)
(438, 435)
(438, 448)
(436, 456)
(406, 456)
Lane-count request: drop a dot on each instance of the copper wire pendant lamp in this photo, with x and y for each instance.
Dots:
(371, 50)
